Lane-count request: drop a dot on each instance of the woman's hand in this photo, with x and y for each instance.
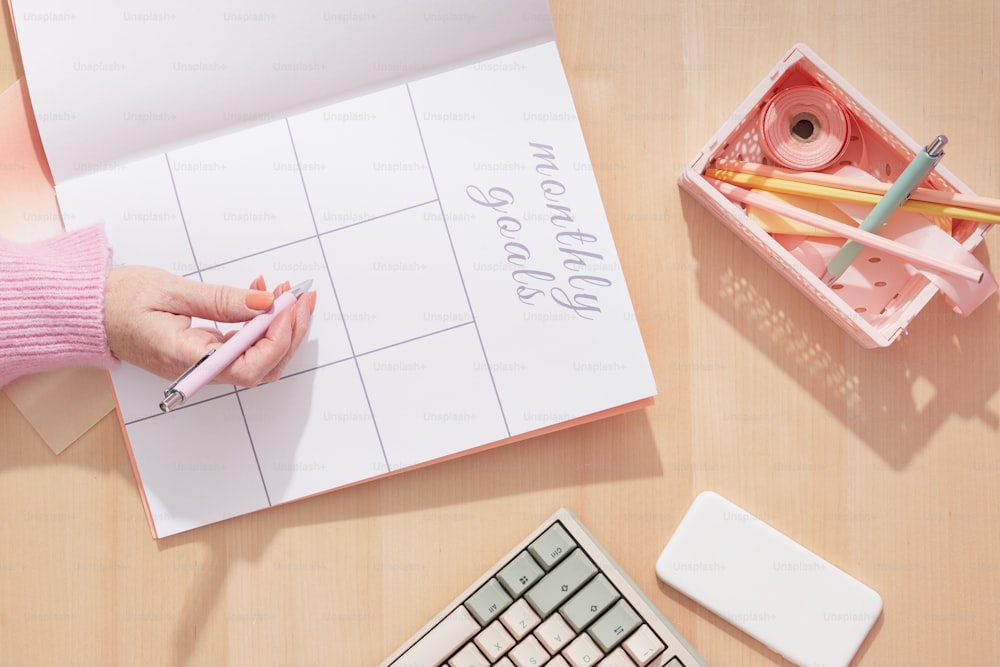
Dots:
(148, 312)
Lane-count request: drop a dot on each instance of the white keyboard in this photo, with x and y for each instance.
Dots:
(559, 600)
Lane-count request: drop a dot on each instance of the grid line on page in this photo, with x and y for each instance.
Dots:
(451, 245)
(333, 286)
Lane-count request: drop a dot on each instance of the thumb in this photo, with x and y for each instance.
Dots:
(222, 303)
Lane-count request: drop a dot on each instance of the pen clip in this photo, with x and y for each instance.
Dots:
(189, 371)
(171, 396)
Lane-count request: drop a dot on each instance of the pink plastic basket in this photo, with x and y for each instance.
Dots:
(876, 312)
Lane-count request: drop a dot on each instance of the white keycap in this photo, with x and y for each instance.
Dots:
(643, 645)
(504, 662)
(494, 641)
(555, 633)
(528, 653)
(617, 658)
(583, 652)
(557, 661)
(520, 619)
(457, 628)
(469, 656)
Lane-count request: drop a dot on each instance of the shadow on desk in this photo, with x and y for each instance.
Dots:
(894, 399)
(191, 575)
(590, 453)
(751, 643)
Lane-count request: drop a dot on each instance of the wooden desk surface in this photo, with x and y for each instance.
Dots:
(887, 463)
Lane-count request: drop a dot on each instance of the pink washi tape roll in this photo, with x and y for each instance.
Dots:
(804, 128)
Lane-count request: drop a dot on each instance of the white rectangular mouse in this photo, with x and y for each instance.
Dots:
(768, 585)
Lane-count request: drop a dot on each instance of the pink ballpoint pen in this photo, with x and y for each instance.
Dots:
(208, 367)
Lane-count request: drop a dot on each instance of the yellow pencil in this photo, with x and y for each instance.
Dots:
(786, 186)
(895, 248)
(961, 199)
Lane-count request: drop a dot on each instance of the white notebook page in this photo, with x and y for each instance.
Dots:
(469, 290)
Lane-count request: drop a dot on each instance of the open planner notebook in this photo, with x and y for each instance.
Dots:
(421, 162)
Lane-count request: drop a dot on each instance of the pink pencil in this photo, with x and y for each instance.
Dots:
(888, 246)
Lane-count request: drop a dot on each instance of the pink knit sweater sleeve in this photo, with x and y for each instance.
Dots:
(52, 303)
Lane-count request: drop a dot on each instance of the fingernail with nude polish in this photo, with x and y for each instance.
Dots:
(312, 302)
(260, 300)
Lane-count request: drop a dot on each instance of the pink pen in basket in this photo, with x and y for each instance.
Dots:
(208, 367)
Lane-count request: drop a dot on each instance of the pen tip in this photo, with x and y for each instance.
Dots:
(302, 287)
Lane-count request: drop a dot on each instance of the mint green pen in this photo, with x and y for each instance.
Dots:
(921, 165)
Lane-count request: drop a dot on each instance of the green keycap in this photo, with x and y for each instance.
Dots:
(518, 575)
(488, 602)
(552, 546)
(558, 585)
(588, 604)
(617, 624)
